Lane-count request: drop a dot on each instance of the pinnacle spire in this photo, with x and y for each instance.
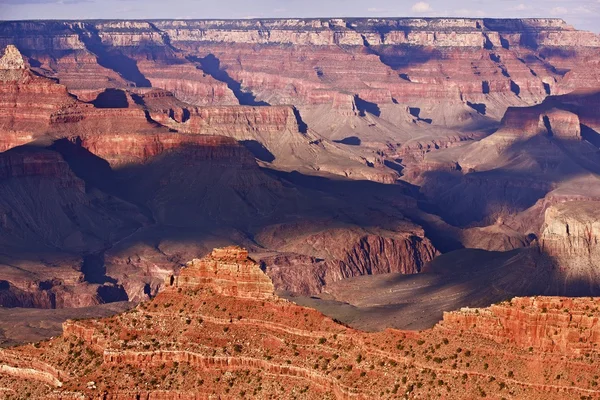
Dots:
(12, 59)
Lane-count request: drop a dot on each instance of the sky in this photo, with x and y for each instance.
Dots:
(583, 14)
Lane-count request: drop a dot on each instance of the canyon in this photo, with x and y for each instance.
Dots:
(395, 174)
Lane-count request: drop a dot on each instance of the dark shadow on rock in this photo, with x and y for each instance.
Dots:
(416, 112)
(95, 171)
(485, 87)
(111, 58)
(258, 150)
(111, 98)
(94, 269)
(349, 141)
(211, 65)
(395, 166)
(547, 89)
(476, 198)
(398, 57)
(549, 52)
(479, 107)
(515, 88)
(365, 107)
(302, 126)
(112, 293)
(590, 135)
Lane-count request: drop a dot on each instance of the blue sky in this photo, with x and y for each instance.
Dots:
(583, 14)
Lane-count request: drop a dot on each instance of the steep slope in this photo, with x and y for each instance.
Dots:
(540, 152)
(27, 101)
(51, 227)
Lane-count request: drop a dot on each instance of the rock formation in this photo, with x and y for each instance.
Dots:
(204, 337)
(12, 59)
(228, 271)
(313, 260)
(549, 324)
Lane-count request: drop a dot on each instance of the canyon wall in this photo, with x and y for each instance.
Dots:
(486, 61)
(308, 263)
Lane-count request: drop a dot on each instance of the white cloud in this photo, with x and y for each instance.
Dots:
(421, 7)
(522, 7)
(464, 12)
(559, 11)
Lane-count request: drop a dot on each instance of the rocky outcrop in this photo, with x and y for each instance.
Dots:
(228, 271)
(307, 260)
(241, 122)
(30, 162)
(572, 229)
(570, 235)
(29, 369)
(12, 59)
(121, 149)
(543, 119)
(27, 101)
(188, 83)
(568, 326)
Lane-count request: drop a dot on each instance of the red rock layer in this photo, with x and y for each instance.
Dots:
(26, 105)
(123, 149)
(567, 326)
(228, 271)
(188, 83)
(419, 62)
(241, 122)
(24, 163)
(193, 342)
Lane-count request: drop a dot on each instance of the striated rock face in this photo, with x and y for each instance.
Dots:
(228, 271)
(568, 326)
(315, 260)
(26, 101)
(198, 339)
(419, 62)
(571, 229)
(543, 119)
(570, 236)
(121, 149)
(21, 163)
(242, 122)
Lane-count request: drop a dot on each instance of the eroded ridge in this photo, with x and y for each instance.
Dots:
(228, 271)
(218, 331)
